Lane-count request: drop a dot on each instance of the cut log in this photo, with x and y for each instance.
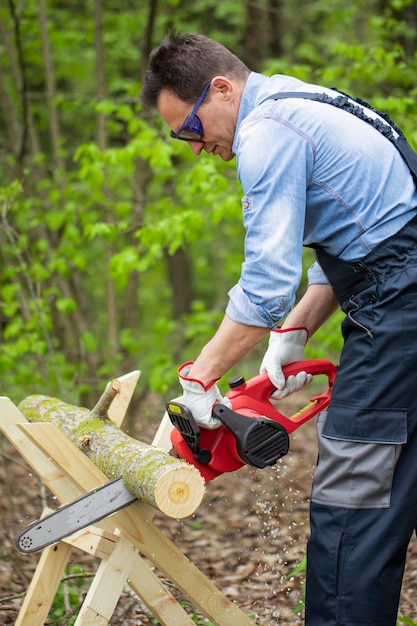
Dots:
(171, 485)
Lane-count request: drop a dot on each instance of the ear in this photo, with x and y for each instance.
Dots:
(223, 86)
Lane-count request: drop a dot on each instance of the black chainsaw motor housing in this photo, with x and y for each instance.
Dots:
(182, 418)
(259, 441)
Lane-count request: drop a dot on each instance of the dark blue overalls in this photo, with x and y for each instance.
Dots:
(364, 497)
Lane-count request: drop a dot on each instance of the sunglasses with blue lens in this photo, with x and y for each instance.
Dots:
(192, 128)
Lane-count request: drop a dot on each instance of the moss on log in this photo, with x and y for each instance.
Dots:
(171, 485)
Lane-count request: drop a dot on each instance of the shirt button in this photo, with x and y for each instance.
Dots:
(372, 299)
(368, 276)
(359, 267)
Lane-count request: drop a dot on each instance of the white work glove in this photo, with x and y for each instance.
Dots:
(285, 346)
(200, 399)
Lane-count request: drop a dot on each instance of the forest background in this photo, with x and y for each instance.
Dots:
(117, 245)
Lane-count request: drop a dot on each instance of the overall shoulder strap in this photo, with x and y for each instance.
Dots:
(356, 106)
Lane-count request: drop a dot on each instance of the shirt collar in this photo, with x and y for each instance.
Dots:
(249, 100)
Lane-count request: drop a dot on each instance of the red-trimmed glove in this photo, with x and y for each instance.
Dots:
(285, 346)
(200, 399)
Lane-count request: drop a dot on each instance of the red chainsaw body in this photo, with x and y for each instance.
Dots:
(252, 399)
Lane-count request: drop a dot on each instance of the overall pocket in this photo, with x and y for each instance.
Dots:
(358, 452)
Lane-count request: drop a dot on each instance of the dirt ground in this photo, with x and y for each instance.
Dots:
(247, 536)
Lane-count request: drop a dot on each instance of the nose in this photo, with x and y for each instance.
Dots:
(196, 147)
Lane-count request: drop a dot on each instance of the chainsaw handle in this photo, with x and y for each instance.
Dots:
(254, 395)
(313, 367)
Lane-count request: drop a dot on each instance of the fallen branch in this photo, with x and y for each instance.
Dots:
(171, 485)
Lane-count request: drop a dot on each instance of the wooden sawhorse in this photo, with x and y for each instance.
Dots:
(119, 540)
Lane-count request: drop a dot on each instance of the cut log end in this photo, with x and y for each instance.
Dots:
(179, 493)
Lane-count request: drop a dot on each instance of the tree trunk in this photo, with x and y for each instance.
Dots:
(54, 128)
(171, 485)
(102, 142)
(253, 36)
(179, 272)
(275, 21)
(148, 37)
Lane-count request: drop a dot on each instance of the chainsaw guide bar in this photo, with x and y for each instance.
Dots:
(74, 516)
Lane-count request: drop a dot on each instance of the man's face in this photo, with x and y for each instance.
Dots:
(217, 114)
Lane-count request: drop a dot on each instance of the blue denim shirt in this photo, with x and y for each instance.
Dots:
(311, 174)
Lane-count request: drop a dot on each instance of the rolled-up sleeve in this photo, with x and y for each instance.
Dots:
(242, 310)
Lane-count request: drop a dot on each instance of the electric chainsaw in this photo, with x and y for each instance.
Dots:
(253, 431)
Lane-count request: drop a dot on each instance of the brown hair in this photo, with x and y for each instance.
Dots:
(183, 64)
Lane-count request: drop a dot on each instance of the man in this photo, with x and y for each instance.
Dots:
(318, 176)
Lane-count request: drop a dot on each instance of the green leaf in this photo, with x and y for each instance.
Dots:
(89, 341)
(101, 229)
(300, 568)
(66, 305)
(122, 264)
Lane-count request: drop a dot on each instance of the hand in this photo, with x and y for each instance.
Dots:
(200, 399)
(285, 346)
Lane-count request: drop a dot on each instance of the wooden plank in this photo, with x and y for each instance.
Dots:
(126, 564)
(162, 436)
(92, 540)
(142, 579)
(43, 587)
(108, 583)
(72, 462)
(41, 464)
(176, 566)
(156, 596)
(120, 404)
